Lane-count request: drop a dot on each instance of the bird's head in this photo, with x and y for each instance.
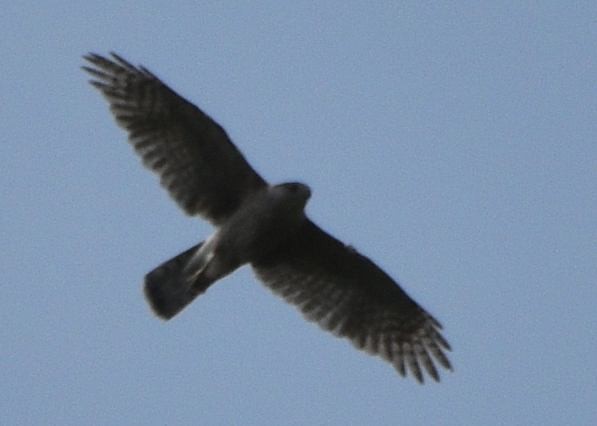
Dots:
(293, 194)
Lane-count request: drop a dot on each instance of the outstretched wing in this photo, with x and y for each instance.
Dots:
(198, 164)
(347, 294)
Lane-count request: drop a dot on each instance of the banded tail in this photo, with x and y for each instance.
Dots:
(168, 289)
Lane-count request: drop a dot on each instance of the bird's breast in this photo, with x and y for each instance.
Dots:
(259, 227)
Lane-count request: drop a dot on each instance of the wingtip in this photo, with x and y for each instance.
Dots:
(122, 62)
(93, 57)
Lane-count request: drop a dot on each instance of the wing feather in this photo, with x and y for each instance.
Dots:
(347, 294)
(197, 163)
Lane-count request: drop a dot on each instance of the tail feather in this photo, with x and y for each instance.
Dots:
(167, 288)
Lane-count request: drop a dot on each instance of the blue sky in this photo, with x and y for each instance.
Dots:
(455, 144)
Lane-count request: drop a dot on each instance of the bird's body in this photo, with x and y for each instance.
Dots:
(259, 224)
(272, 215)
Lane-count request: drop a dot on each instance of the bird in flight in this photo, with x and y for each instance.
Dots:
(259, 224)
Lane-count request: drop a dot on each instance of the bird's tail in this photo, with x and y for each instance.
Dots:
(167, 287)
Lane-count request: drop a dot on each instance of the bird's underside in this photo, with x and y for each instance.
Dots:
(259, 224)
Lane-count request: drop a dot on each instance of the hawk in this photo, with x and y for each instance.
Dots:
(259, 224)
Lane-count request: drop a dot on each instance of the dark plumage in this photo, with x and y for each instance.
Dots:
(259, 224)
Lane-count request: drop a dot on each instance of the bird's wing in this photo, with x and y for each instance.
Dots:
(197, 163)
(347, 294)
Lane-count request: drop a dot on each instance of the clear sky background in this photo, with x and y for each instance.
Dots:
(454, 143)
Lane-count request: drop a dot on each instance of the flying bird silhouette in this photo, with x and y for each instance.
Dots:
(258, 224)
